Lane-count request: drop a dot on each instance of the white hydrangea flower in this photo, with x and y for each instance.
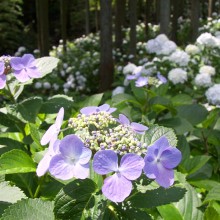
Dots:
(129, 68)
(153, 46)
(118, 90)
(179, 57)
(168, 47)
(207, 69)
(46, 85)
(203, 80)
(213, 94)
(21, 49)
(38, 85)
(207, 39)
(192, 49)
(177, 75)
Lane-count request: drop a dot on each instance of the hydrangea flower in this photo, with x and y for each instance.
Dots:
(53, 131)
(138, 128)
(24, 68)
(94, 109)
(161, 78)
(180, 57)
(2, 75)
(203, 80)
(213, 94)
(118, 186)
(207, 39)
(160, 160)
(207, 69)
(141, 81)
(72, 161)
(177, 75)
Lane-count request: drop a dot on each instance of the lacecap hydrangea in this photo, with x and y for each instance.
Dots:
(108, 145)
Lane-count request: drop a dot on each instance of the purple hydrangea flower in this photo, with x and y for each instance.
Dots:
(94, 109)
(2, 75)
(118, 186)
(136, 73)
(160, 160)
(141, 81)
(24, 68)
(138, 128)
(72, 161)
(162, 79)
(53, 131)
(43, 165)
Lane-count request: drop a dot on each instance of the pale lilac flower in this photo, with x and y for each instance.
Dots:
(53, 131)
(2, 75)
(162, 79)
(72, 161)
(118, 186)
(94, 109)
(141, 81)
(138, 128)
(160, 160)
(24, 68)
(43, 165)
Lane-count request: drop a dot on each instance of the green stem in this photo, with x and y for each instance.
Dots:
(38, 187)
(11, 95)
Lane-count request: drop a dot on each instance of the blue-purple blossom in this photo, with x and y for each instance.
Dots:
(2, 75)
(162, 79)
(136, 73)
(43, 165)
(118, 186)
(53, 131)
(160, 160)
(138, 128)
(94, 109)
(24, 68)
(141, 81)
(72, 161)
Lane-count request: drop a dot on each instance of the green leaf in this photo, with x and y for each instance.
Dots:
(16, 161)
(10, 194)
(180, 125)
(205, 184)
(139, 93)
(54, 104)
(181, 99)
(5, 120)
(213, 194)
(183, 146)
(124, 98)
(7, 144)
(191, 165)
(156, 132)
(34, 131)
(169, 212)
(46, 64)
(156, 197)
(194, 113)
(211, 214)
(74, 198)
(93, 100)
(29, 108)
(26, 209)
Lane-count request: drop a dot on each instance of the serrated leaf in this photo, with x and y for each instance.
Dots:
(156, 197)
(74, 198)
(211, 214)
(213, 194)
(124, 98)
(29, 209)
(34, 131)
(10, 194)
(16, 161)
(54, 104)
(156, 132)
(181, 99)
(169, 212)
(29, 108)
(205, 184)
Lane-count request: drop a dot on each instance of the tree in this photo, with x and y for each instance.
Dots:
(42, 26)
(164, 16)
(87, 16)
(63, 20)
(195, 6)
(106, 60)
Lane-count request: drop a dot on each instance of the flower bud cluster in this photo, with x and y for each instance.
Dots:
(103, 132)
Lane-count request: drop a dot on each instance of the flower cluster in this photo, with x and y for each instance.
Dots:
(23, 68)
(104, 139)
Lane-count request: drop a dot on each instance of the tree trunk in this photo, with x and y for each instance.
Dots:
(164, 16)
(87, 16)
(96, 16)
(133, 23)
(195, 7)
(210, 7)
(63, 21)
(42, 26)
(148, 8)
(119, 18)
(106, 65)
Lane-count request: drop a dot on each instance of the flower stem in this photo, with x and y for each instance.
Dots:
(38, 187)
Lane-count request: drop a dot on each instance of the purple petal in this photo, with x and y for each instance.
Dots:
(141, 81)
(2, 68)
(123, 120)
(21, 75)
(161, 78)
(60, 169)
(88, 110)
(165, 177)
(105, 161)
(71, 146)
(16, 63)
(2, 81)
(55, 146)
(33, 72)
(139, 128)
(28, 60)
(112, 110)
(116, 188)
(43, 165)
(150, 167)
(104, 107)
(171, 157)
(59, 118)
(49, 135)
(81, 171)
(85, 156)
(162, 144)
(131, 77)
(131, 166)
